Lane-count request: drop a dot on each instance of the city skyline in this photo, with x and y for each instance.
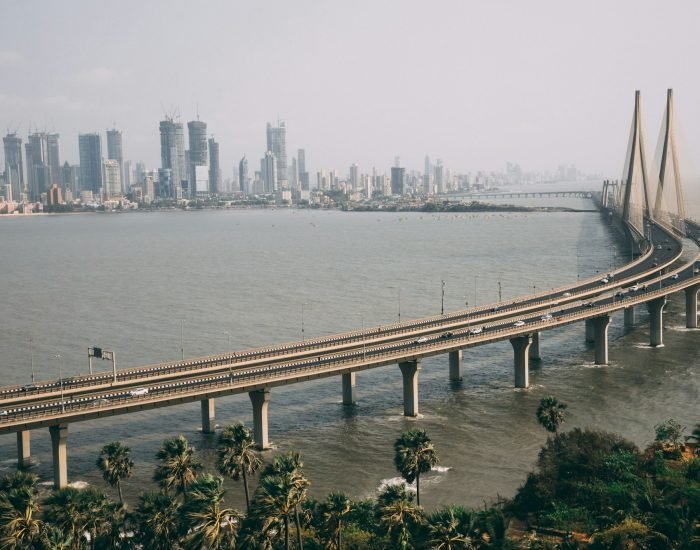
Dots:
(361, 83)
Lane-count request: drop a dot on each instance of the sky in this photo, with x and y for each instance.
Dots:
(476, 84)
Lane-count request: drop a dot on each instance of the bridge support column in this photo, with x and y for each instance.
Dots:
(349, 388)
(208, 415)
(656, 321)
(409, 370)
(23, 455)
(534, 351)
(59, 440)
(590, 331)
(521, 361)
(260, 400)
(629, 316)
(600, 328)
(691, 306)
(456, 365)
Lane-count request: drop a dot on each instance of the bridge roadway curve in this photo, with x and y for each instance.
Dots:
(95, 396)
(670, 250)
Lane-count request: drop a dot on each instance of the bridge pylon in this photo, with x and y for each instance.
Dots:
(634, 190)
(669, 206)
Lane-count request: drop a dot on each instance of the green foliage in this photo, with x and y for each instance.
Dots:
(414, 455)
(236, 455)
(550, 413)
(157, 520)
(115, 464)
(178, 466)
(669, 432)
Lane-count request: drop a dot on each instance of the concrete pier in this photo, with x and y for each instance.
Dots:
(409, 370)
(59, 441)
(260, 400)
(23, 451)
(590, 332)
(349, 396)
(521, 361)
(534, 351)
(691, 306)
(629, 316)
(208, 415)
(600, 330)
(656, 321)
(455, 365)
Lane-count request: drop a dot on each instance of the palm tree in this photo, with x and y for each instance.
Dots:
(450, 528)
(414, 455)
(334, 510)
(178, 467)
(115, 464)
(550, 413)
(210, 524)
(281, 490)
(396, 513)
(237, 457)
(20, 525)
(157, 520)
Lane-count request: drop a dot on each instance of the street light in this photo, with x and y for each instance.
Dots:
(476, 277)
(182, 339)
(399, 305)
(499, 291)
(302, 319)
(362, 322)
(442, 303)
(60, 381)
(31, 355)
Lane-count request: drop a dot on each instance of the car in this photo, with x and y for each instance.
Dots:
(447, 334)
(696, 270)
(643, 287)
(659, 247)
(546, 317)
(519, 323)
(475, 331)
(421, 340)
(4, 412)
(655, 264)
(566, 294)
(29, 387)
(604, 281)
(610, 276)
(634, 288)
(495, 308)
(98, 402)
(619, 294)
(138, 391)
(588, 304)
(674, 276)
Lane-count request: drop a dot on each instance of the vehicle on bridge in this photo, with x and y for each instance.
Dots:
(138, 391)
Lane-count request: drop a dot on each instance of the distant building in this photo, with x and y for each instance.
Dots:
(198, 156)
(268, 172)
(398, 175)
(112, 179)
(114, 152)
(53, 196)
(38, 171)
(166, 187)
(440, 177)
(354, 179)
(277, 144)
(14, 164)
(90, 148)
(243, 175)
(303, 171)
(53, 158)
(172, 151)
(200, 189)
(214, 168)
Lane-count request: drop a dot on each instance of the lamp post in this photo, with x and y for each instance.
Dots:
(362, 324)
(60, 381)
(182, 339)
(476, 278)
(499, 291)
(442, 303)
(31, 355)
(302, 320)
(399, 305)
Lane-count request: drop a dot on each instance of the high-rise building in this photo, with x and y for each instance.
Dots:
(354, 177)
(268, 171)
(277, 144)
(166, 189)
(243, 175)
(172, 150)
(126, 174)
(303, 171)
(14, 166)
(53, 157)
(427, 177)
(214, 168)
(140, 172)
(198, 156)
(398, 175)
(114, 152)
(38, 170)
(200, 185)
(90, 148)
(439, 177)
(112, 179)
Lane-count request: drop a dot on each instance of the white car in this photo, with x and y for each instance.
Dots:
(634, 288)
(421, 340)
(674, 276)
(475, 331)
(519, 324)
(3, 412)
(546, 317)
(138, 391)
(604, 281)
(566, 294)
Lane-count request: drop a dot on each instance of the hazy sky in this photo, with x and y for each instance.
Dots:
(474, 83)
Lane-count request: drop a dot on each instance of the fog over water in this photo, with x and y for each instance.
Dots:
(125, 282)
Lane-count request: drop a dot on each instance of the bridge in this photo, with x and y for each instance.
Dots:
(523, 194)
(655, 233)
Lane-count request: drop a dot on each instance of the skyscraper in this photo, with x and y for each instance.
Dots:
(172, 150)
(14, 167)
(277, 144)
(114, 152)
(243, 174)
(90, 148)
(197, 131)
(303, 172)
(397, 177)
(53, 158)
(268, 170)
(214, 168)
(354, 177)
(38, 171)
(112, 179)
